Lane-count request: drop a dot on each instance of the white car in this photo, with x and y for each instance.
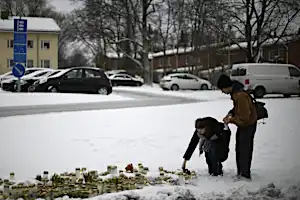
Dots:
(184, 81)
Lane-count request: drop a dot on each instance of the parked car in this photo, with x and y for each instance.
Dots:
(124, 80)
(184, 81)
(27, 82)
(10, 75)
(121, 71)
(268, 78)
(11, 83)
(75, 80)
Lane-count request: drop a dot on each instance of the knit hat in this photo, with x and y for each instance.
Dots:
(224, 82)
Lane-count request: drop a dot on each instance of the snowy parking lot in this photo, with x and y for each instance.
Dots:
(154, 136)
(30, 99)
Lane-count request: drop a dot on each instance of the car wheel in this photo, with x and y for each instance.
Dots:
(52, 89)
(287, 95)
(259, 92)
(103, 91)
(115, 84)
(31, 89)
(175, 87)
(204, 87)
(138, 84)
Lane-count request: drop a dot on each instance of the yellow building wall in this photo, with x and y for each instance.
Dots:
(36, 53)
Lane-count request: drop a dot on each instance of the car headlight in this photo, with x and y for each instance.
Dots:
(22, 82)
(41, 81)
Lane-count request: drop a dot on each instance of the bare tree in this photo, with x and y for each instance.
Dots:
(259, 20)
(31, 8)
(164, 27)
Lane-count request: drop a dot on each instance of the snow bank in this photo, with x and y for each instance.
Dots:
(25, 99)
(200, 95)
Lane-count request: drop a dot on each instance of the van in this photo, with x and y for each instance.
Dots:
(268, 78)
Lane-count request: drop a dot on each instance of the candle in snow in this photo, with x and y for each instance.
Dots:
(77, 171)
(45, 175)
(12, 176)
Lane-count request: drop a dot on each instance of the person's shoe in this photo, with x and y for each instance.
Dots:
(241, 178)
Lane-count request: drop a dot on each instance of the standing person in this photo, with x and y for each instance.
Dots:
(213, 138)
(244, 116)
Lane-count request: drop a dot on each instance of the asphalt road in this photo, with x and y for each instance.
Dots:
(141, 100)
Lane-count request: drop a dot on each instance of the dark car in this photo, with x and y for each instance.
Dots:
(76, 80)
(9, 83)
(125, 80)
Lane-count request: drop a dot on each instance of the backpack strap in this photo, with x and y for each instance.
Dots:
(252, 98)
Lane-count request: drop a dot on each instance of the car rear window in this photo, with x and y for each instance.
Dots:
(238, 72)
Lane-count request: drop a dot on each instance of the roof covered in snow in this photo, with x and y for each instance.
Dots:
(34, 24)
(182, 50)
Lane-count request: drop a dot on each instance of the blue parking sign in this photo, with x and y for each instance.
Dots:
(20, 25)
(20, 47)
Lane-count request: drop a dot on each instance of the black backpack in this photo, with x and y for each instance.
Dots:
(261, 110)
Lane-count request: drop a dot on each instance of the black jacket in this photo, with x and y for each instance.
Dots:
(218, 127)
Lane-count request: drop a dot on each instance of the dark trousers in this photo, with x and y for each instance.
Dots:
(244, 149)
(212, 160)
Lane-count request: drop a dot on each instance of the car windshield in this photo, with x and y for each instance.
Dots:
(53, 73)
(41, 74)
(30, 71)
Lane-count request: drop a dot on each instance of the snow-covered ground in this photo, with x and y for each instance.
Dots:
(155, 89)
(156, 136)
(25, 99)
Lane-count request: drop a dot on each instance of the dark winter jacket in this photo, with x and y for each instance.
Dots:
(222, 142)
(244, 111)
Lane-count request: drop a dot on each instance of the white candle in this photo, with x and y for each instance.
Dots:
(45, 175)
(12, 176)
(6, 190)
(78, 174)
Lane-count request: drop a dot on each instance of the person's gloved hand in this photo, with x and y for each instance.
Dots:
(200, 152)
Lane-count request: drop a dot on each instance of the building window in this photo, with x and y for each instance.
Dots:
(187, 58)
(160, 62)
(45, 63)
(10, 44)
(10, 62)
(45, 44)
(30, 44)
(29, 63)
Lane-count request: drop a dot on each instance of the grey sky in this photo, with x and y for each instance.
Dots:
(63, 5)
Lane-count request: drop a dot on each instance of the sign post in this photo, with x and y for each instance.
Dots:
(20, 49)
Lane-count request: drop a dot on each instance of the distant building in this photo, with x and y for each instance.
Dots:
(42, 43)
(211, 61)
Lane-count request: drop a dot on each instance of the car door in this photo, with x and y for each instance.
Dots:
(179, 80)
(294, 80)
(128, 80)
(192, 83)
(72, 81)
(92, 80)
(121, 79)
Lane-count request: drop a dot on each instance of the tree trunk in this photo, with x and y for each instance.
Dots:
(146, 63)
